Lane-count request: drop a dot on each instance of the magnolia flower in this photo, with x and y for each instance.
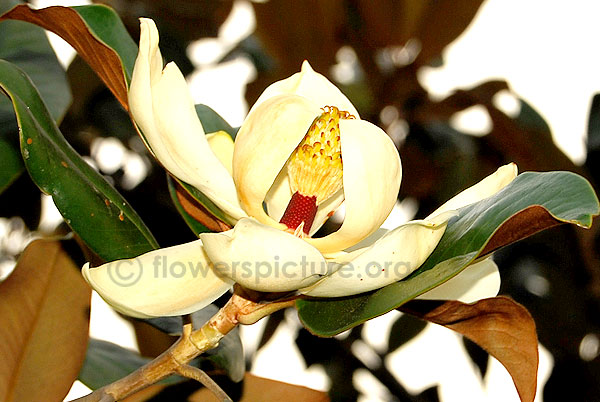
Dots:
(301, 152)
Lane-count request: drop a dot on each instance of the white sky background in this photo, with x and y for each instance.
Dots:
(547, 51)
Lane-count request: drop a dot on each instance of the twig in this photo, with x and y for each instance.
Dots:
(238, 310)
(196, 374)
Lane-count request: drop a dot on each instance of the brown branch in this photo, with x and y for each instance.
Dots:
(239, 310)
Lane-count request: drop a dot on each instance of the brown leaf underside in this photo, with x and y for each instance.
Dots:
(67, 24)
(501, 326)
(519, 226)
(44, 315)
(198, 212)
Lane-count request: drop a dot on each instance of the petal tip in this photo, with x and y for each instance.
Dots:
(509, 168)
(148, 26)
(306, 67)
(172, 72)
(147, 23)
(85, 272)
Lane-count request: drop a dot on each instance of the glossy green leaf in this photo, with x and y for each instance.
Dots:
(27, 46)
(106, 363)
(91, 206)
(567, 197)
(213, 122)
(102, 41)
(530, 118)
(11, 164)
(104, 23)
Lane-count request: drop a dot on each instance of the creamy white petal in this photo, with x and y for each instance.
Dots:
(391, 258)
(311, 85)
(163, 109)
(170, 281)
(279, 195)
(184, 137)
(221, 144)
(148, 65)
(263, 258)
(369, 240)
(478, 281)
(372, 175)
(484, 189)
(264, 143)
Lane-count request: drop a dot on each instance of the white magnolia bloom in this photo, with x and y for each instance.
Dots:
(301, 152)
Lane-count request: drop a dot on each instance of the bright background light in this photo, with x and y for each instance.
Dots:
(543, 49)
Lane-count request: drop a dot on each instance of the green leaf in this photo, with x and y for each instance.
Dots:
(11, 164)
(101, 40)
(106, 25)
(213, 122)
(480, 227)
(91, 206)
(106, 363)
(27, 47)
(530, 118)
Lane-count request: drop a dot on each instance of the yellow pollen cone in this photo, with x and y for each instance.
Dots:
(315, 168)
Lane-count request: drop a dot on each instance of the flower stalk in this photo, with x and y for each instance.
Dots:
(240, 309)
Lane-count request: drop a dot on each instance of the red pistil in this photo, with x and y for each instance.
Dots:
(302, 208)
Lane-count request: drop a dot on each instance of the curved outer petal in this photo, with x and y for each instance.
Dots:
(263, 258)
(484, 189)
(311, 85)
(372, 175)
(478, 281)
(264, 143)
(391, 258)
(170, 281)
(162, 107)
